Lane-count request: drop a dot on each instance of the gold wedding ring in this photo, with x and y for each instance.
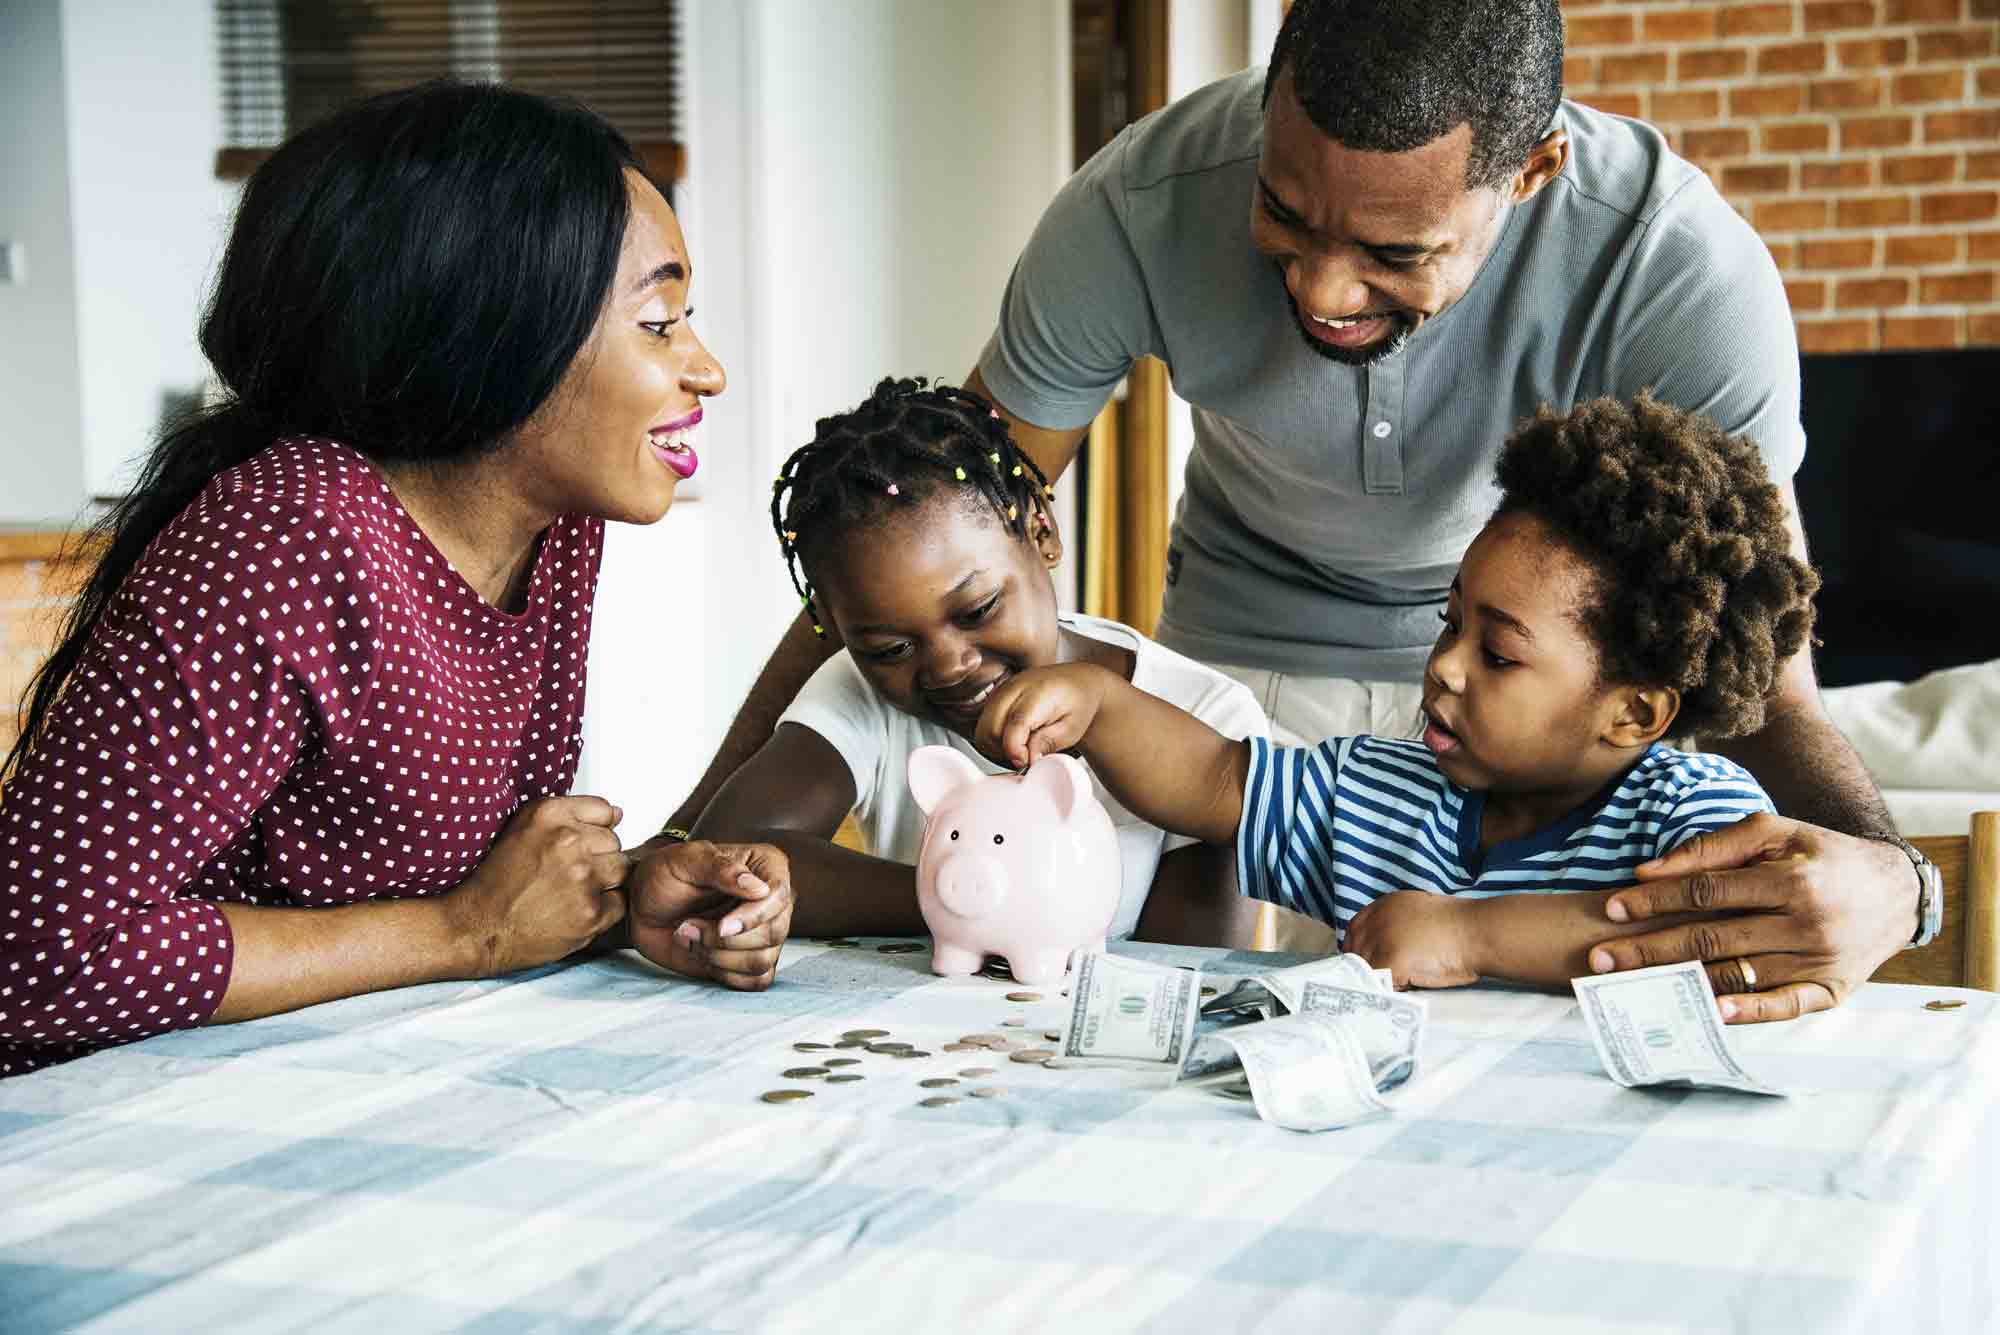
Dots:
(1749, 975)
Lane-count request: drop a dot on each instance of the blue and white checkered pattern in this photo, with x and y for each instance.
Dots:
(584, 1149)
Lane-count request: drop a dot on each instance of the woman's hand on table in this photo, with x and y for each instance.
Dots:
(547, 887)
(1817, 912)
(713, 911)
(1425, 940)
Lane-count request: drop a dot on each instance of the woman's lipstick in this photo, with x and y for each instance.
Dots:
(673, 445)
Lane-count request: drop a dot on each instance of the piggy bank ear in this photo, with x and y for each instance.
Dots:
(1064, 780)
(936, 772)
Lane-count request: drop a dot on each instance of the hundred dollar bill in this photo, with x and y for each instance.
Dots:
(1127, 1012)
(1388, 1026)
(1304, 1072)
(1277, 991)
(1660, 1026)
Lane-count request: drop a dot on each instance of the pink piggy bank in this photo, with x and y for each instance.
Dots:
(1020, 865)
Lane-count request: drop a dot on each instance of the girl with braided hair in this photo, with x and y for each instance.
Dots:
(920, 537)
(1635, 578)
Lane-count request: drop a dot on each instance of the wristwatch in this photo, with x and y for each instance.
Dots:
(1930, 892)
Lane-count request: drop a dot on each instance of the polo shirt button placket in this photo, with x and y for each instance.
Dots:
(1381, 445)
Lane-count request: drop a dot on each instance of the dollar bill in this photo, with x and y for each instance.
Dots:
(1277, 991)
(1128, 1012)
(1303, 1072)
(1660, 1026)
(1389, 1026)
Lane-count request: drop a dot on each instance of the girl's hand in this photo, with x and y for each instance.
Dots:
(1425, 940)
(713, 911)
(1040, 712)
(546, 888)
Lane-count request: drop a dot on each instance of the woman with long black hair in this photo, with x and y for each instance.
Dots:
(311, 724)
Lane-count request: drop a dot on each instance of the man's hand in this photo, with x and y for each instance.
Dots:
(1817, 913)
(714, 911)
(1425, 940)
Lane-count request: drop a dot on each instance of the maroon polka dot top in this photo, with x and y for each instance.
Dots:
(293, 700)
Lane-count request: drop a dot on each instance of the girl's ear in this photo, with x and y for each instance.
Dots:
(936, 772)
(1642, 715)
(1046, 536)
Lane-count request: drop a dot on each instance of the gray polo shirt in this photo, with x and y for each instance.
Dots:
(1327, 506)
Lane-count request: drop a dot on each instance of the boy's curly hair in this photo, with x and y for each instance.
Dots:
(1696, 587)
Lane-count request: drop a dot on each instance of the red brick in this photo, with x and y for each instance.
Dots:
(1779, 99)
(1792, 215)
(1870, 293)
(1740, 20)
(1921, 331)
(1915, 252)
(1930, 86)
(1846, 253)
(1598, 30)
(1982, 166)
(1822, 15)
(1840, 174)
(1846, 94)
(1615, 104)
(1702, 104)
(1712, 62)
(1927, 170)
(1578, 71)
(1867, 53)
(1782, 253)
(1984, 329)
(1794, 137)
(1989, 81)
(1837, 335)
(1681, 25)
(1944, 126)
(1956, 289)
(1967, 206)
(1730, 142)
(1921, 11)
(1792, 58)
(1879, 211)
(1877, 132)
(1649, 67)
(1955, 43)
(1805, 294)
(1983, 246)
(1762, 179)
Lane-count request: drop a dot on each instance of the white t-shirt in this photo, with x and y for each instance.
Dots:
(876, 738)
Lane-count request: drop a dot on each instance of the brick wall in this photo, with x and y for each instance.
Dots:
(1860, 137)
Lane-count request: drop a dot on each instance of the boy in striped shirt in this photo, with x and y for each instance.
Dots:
(1635, 578)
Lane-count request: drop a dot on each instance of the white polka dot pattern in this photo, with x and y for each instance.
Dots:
(293, 700)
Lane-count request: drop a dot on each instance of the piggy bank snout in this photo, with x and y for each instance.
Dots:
(971, 885)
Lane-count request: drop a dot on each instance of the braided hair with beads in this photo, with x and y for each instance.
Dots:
(909, 442)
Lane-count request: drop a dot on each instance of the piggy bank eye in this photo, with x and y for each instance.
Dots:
(999, 838)
(954, 834)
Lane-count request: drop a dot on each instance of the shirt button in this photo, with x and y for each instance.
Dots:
(1382, 429)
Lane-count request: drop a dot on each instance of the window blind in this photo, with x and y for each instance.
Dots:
(287, 63)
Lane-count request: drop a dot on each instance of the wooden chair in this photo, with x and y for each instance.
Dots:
(1967, 951)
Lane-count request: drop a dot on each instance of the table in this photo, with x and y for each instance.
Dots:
(584, 1148)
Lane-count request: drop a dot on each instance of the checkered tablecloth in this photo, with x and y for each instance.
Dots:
(584, 1149)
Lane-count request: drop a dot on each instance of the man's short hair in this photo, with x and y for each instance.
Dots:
(1387, 76)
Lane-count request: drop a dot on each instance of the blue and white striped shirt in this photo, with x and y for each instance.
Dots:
(1328, 829)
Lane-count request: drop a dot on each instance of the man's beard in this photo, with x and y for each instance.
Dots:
(1374, 352)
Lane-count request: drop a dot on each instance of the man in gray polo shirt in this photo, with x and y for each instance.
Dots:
(1361, 271)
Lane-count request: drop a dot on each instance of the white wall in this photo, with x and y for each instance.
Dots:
(41, 464)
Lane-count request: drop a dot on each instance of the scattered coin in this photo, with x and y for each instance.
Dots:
(974, 1072)
(900, 947)
(810, 1047)
(1942, 1005)
(1030, 1056)
(1015, 1023)
(938, 1082)
(889, 1047)
(986, 1092)
(852, 1043)
(804, 1072)
(938, 1101)
(1052, 1035)
(963, 1047)
(1024, 996)
(786, 1095)
(866, 1033)
(841, 1061)
(1207, 992)
(844, 1077)
(911, 1052)
(983, 1040)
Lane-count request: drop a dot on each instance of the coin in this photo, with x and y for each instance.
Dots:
(983, 1040)
(889, 1047)
(785, 1095)
(963, 1047)
(1052, 1035)
(810, 1047)
(1030, 1056)
(852, 1043)
(804, 1072)
(910, 1052)
(900, 947)
(1942, 1005)
(843, 1077)
(1024, 996)
(974, 1072)
(986, 1092)
(866, 1033)
(938, 1082)
(841, 1061)
(1207, 992)
(937, 1101)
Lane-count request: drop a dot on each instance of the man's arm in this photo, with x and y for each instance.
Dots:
(1052, 448)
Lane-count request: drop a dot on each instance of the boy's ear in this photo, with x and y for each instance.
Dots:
(1642, 716)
